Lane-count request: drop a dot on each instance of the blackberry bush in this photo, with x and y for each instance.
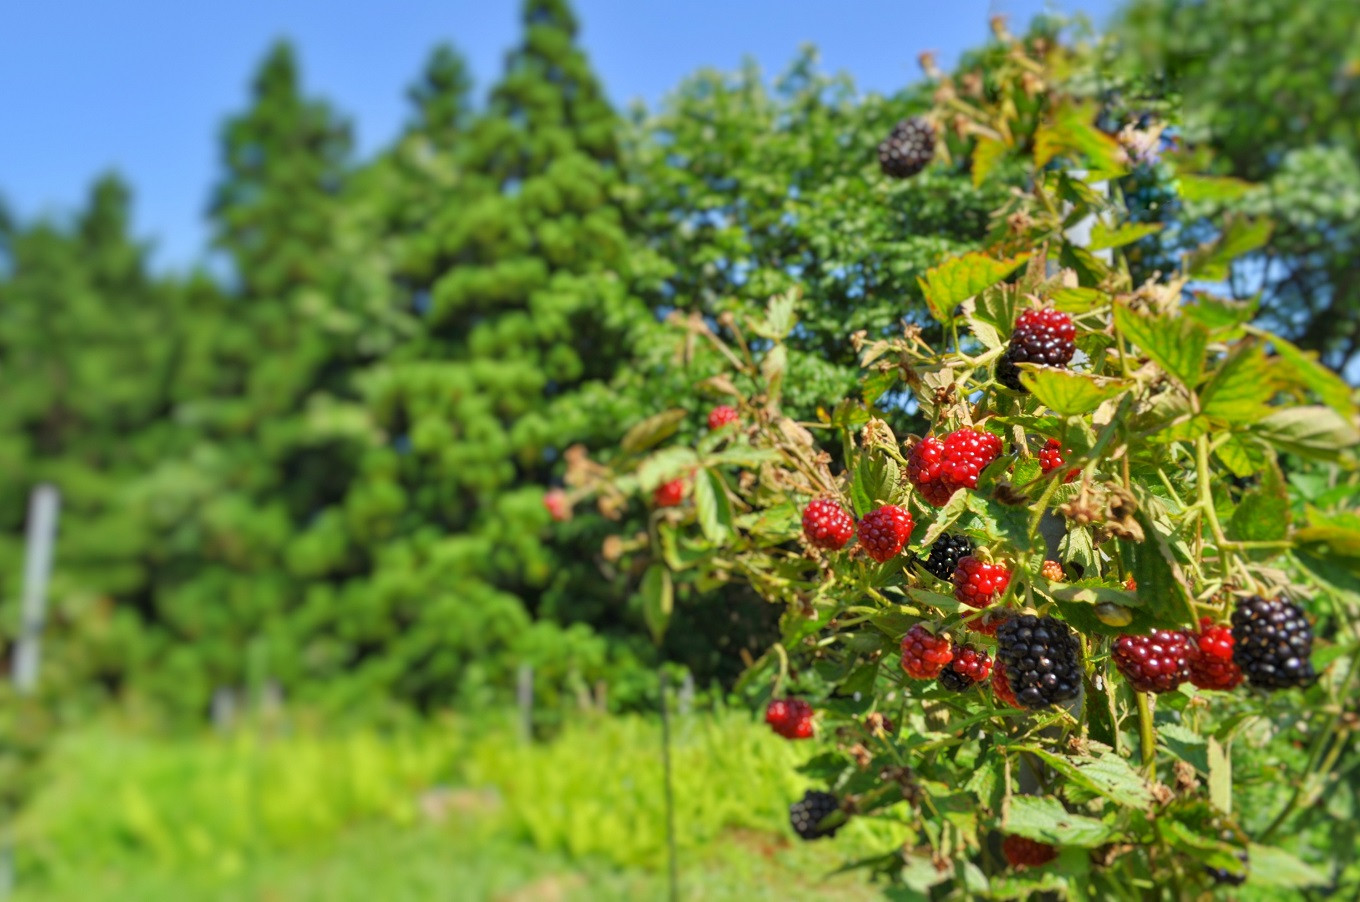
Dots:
(1091, 598)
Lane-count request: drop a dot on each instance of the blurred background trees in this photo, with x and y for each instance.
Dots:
(322, 468)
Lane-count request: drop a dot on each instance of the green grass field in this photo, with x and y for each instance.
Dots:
(439, 813)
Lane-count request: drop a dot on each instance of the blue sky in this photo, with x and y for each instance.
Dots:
(142, 86)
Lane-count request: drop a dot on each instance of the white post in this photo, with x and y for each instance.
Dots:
(41, 537)
(524, 692)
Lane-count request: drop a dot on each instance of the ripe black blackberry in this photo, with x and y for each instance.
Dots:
(807, 814)
(907, 150)
(1043, 662)
(945, 555)
(1271, 643)
(1223, 876)
(1040, 336)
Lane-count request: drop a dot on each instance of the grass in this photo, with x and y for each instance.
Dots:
(442, 812)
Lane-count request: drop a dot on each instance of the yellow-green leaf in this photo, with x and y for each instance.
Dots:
(1177, 345)
(986, 154)
(1240, 389)
(958, 279)
(658, 600)
(1302, 368)
(1311, 431)
(653, 430)
(1068, 393)
(1103, 237)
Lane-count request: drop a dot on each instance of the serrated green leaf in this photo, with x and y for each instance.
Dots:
(960, 278)
(1068, 393)
(653, 431)
(658, 600)
(1220, 776)
(1239, 390)
(1302, 368)
(1263, 513)
(1211, 188)
(987, 152)
(1271, 866)
(712, 506)
(1103, 237)
(1242, 455)
(1090, 269)
(1044, 818)
(1102, 773)
(877, 481)
(1317, 432)
(1078, 300)
(665, 465)
(1220, 315)
(772, 369)
(1070, 130)
(1177, 345)
(1240, 236)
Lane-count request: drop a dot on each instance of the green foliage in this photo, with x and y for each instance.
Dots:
(1179, 427)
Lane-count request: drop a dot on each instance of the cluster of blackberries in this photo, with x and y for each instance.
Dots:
(908, 149)
(1269, 644)
(1040, 336)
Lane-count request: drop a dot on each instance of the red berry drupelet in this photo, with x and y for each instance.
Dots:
(1053, 457)
(1154, 663)
(1043, 661)
(721, 415)
(790, 718)
(827, 525)
(1211, 657)
(940, 468)
(986, 623)
(669, 494)
(925, 654)
(1001, 686)
(1040, 336)
(967, 668)
(967, 452)
(977, 582)
(1273, 642)
(884, 531)
(1022, 852)
(925, 470)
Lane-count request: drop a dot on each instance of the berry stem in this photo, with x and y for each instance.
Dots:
(1147, 735)
(1206, 501)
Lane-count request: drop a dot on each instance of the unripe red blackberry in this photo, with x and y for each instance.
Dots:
(807, 814)
(669, 494)
(559, 508)
(1022, 852)
(1053, 457)
(967, 452)
(908, 149)
(1040, 336)
(977, 583)
(1273, 643)
(925, 654)
(721, 415)
(967, 668)
(1001, 686)
(945, 555)
(1158, 662)
(987, 621)
(884, 531)
(938, 468)
(1211, 657)
(790, 717)
(1042, 658)
(827, 525)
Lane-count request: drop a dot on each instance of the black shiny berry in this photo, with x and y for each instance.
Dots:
(1272, 641)
(1040, 336)
(1043, 661)
(807, 814)
(908, 149)
(945, 555)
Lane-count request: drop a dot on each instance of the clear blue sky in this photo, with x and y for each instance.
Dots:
(142, 86)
